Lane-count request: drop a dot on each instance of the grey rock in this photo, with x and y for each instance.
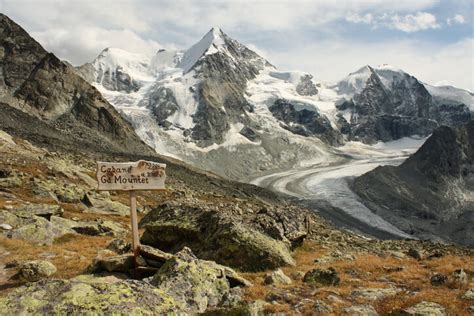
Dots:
(154, 257)
(468, 295)
(33, 271)
(297, 275)
(201, 284)
(415, 253)
(306, 86)
(277, 277)
(213, 235)
(438, 279)
(374, 293)
(322, 277)
(423, 309)
(320, 307)
(459, 278)
(362, 310)
(6, 226)
(42, 210)
(299, 120)
(90, 295)
(121, 263)
(119, 246)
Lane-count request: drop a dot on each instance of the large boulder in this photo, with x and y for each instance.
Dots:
(89, 295)
(225, 238)
(32, 271)
(201, 284)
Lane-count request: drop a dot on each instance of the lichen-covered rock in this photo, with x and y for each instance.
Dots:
(99, 228)
(438, 279)
(121, 263)
(423, 309)
(320, 307)
(201, 284)
(42, 210)
(89, 296)
(119, 246)
(469, 295)
(361, 310)
(154, 257)
(459, 278)
(374, 293)
(97, 203)
(322, 277)
(33, 271)
(415, 253)
(277, 277)
(37, 229)
(217, 236)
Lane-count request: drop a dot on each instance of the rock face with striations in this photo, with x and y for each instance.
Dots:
(252, 243)
(39, 84)
(386, 103)
(431, 194)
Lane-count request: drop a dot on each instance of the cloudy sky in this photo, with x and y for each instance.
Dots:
(431, 39)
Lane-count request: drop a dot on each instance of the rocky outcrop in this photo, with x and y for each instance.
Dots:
(255, 243)
(306, 122)
(306, 86)
(90, 295)
(196, 284)
(200, 284)
(277, 277)
(33, 271)
(429, 195)
(38, 83)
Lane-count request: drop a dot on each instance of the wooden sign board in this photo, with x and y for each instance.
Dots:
(131, 176)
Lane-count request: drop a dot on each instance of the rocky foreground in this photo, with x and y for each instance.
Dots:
(212, 247)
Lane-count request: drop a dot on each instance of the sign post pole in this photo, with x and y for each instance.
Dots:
(131, 176)
(133, 216)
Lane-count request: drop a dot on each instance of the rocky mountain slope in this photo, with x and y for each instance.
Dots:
(64, 247)
(39, 84)
(430, 195)
(221, 104)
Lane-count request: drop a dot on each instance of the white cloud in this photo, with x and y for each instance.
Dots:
(356, 18)
(406, 23)
(88, 42)
(331, 60)
(294, 33)
(456, 19)
(414, 22)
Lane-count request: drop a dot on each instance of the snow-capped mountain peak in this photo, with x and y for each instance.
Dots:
(356, 81)
(211, 43)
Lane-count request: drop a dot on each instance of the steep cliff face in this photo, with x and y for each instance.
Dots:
(430, 195)
(386, 103)
(39, 84)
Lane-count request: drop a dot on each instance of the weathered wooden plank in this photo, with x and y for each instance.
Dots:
(131, 176)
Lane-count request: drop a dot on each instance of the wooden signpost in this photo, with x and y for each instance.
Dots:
(131, 176)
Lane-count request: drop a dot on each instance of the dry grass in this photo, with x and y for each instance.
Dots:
(370, 271)
(72, 253)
